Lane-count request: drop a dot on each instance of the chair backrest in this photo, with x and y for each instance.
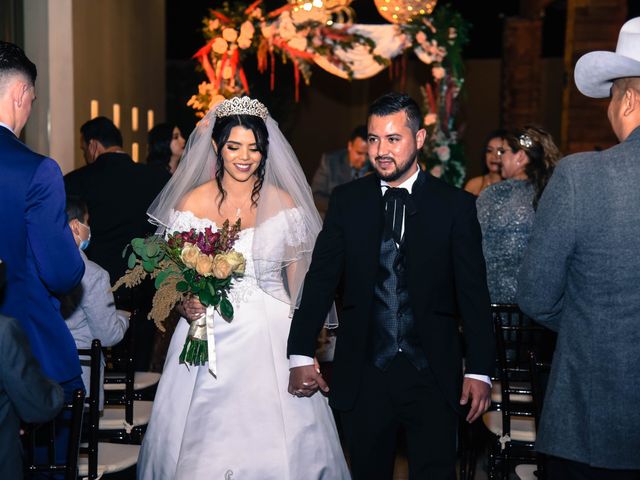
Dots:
(539, 377)
(122, 360)
(39, 440)
(516, 336)
(92, 423)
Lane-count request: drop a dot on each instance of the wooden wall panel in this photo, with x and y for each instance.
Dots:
(591, 25)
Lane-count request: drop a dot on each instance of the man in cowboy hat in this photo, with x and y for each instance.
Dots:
(581, 277)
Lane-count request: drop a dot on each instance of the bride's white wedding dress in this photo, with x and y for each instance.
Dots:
(242, 425)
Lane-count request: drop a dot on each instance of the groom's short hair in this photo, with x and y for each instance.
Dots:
(395, 102)
(102, 130)
(14, 61)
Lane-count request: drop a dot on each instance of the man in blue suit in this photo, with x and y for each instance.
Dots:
(36, 243)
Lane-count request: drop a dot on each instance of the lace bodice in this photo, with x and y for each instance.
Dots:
(273, 244)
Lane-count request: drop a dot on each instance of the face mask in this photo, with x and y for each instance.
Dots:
(85, 243)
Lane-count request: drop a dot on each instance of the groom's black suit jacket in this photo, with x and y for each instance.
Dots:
(445, 275)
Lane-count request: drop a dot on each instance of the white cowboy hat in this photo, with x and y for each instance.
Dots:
(595, 71)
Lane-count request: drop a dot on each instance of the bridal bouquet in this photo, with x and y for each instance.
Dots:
(192, 263)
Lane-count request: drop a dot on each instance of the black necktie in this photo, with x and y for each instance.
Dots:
(394, 203)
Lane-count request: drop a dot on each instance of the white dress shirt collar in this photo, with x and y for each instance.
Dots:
(407, 184)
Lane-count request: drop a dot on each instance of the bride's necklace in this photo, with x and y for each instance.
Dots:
(238, 208)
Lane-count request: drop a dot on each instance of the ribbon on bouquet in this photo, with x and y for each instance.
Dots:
(200, 344)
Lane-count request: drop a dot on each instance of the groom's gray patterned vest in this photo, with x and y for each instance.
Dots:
(393, 324)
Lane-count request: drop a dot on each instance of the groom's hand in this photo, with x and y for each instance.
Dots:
(305, 381)
(480, 394)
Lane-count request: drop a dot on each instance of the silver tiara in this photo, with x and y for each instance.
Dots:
(242, 106)
(525, 141)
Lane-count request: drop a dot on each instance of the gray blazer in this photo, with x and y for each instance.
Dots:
(90, 312)
(334, 170)
(25, 393)
(581, 277)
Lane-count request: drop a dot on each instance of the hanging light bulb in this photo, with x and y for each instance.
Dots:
(403, 11)
(322, 11)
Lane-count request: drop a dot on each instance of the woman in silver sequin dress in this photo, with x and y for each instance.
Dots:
(506, 209)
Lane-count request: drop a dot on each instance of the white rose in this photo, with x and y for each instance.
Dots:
(430, 119)
(229, 34)
(299, 43)
(438, 72)
(244, 42)
(247, 30)
(268, 30)
(220, 45)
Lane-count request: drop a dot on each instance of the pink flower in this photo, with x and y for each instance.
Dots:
(430, 119)
(443, 153)
(438, 72)
(436, 171)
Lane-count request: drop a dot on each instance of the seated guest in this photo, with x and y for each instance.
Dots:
(89, 310)
(166, 144)
(490, 163)
(118, 193)
(25, 393)
(506, 210)
(340, 166)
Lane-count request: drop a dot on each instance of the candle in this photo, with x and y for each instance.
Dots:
(135, 151)
(150, 119)
(116, 114)
(134, 119)
(94, 109)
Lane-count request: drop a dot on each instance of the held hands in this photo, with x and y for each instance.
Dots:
(306, 380)
(191, 309)
(480, 394)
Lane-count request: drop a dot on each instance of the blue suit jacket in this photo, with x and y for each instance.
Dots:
(41, 257)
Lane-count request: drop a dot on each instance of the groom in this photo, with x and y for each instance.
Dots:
(409, 248)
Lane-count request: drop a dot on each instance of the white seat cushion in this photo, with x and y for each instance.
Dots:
(141, 381)
(113, 416)
(522, 428)
(496, 392)
(112, 457)
(526, 471)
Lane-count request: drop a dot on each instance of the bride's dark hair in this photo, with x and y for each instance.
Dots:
(220, 135)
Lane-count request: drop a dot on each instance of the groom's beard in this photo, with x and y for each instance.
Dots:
(398, 171)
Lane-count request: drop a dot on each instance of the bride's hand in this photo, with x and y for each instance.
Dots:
(191, 309)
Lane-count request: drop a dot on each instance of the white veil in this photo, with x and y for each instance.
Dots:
(285, 193)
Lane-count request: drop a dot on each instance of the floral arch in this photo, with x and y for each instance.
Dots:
(313, 32)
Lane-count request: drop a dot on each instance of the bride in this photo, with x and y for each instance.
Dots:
(241, 423)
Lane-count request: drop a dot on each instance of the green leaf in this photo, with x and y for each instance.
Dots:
(131, 262)
(152, 249)
(162, 276)
(205, 298)
(226, 309)
(148, 265)
(182, 286)
(137, 244)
